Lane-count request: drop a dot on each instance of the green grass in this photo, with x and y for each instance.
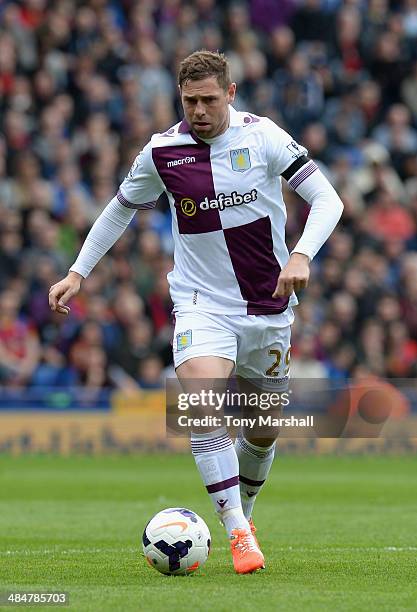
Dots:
(338, 533)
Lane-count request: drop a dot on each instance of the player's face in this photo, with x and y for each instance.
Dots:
(205, 105)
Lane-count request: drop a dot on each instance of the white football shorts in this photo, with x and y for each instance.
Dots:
(259, 345)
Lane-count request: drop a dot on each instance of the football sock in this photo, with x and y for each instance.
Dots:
(254, 465)
(216, 460)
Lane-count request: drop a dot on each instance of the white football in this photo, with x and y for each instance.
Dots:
(176, 541)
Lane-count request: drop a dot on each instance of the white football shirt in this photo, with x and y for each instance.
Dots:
(228, 213)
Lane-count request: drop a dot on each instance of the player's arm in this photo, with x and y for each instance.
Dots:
(139, 190)
(325, 211)
(303, 175)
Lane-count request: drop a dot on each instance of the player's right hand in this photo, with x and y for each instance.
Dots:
(294, 275)
(64, 290)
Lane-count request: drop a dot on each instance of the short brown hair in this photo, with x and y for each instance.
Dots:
(203, 64)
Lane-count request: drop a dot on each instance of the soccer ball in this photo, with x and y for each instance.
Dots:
(176, 541)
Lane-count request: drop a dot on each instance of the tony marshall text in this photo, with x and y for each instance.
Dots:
(259, 421)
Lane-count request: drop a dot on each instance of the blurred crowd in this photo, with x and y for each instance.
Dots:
(83, 85)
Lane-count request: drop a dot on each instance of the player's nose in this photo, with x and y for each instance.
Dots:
(200, 109)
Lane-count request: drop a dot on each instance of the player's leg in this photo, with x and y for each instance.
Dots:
(213, 450)
(267, 368)
(217, 462)
(207, 358)
(255, 462)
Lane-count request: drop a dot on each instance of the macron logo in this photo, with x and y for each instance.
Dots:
(179, 162)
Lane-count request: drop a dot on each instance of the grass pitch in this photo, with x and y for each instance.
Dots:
(338, 533)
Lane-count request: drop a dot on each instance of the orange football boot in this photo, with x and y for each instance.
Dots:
(253, 531)
(246, 554)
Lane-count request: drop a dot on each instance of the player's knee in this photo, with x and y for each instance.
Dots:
(205, 367)
(264, 442)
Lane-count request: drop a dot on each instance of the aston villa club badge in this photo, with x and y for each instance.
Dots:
(184, 340)
(240, 159)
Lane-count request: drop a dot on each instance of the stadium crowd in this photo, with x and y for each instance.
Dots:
(83, 85)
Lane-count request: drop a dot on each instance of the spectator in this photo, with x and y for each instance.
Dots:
(299, 94)
(396, 133)
(137, 343)
(267, 14)
(150, 372)
(82, 88)
(311, 22)
(304, 363)
(402, 351)
(387, 219)
(19, 343)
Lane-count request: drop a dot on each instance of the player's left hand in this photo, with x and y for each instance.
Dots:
(294, 276)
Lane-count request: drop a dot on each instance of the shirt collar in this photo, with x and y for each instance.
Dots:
(235, 118)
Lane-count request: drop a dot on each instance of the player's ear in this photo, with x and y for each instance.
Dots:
(231, 92)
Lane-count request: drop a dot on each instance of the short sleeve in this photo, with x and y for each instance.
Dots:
(282, 151)
(142, 186)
